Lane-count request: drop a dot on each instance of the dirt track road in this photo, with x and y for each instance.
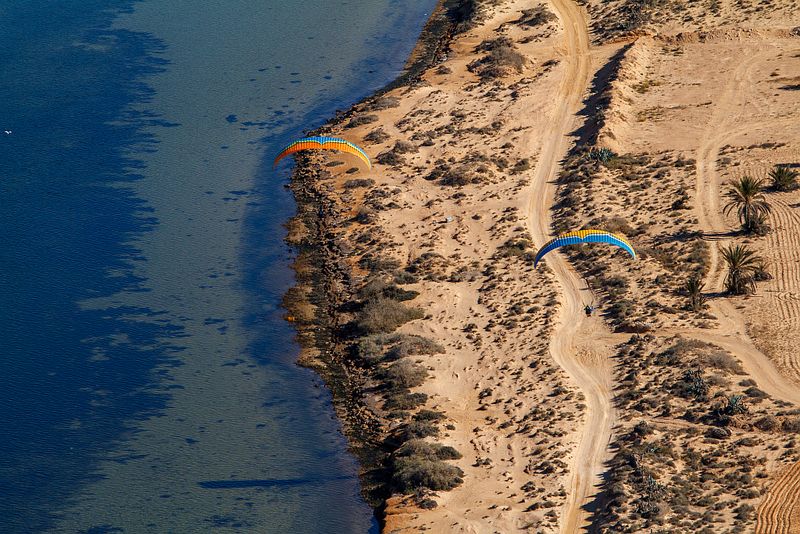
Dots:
(723, 126)
(579, 344)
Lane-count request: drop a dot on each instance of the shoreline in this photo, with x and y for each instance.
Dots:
(324, 283)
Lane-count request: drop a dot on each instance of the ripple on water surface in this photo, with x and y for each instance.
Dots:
(148, 381)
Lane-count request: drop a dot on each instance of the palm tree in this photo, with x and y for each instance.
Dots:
(783, 178)
(742, 264)
(746, 196)
(694, 288)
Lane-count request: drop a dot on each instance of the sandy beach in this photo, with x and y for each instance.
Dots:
(541, 118)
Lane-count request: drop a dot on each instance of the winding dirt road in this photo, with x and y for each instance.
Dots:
(580, 344)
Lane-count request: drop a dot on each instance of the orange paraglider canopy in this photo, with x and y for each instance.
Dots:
(323, 143)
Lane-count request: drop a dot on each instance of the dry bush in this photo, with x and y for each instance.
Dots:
(767, 423)
(404, 400)
(370, 349)
(377, 286)
(619, 225)
(405, 374)
(723, 361)
(418, 430)
(411, 345)
(390, 158)
(430, 265)
(430, 451)
(379, 347)
(377, 136)
(414, 472)
(536, 16)
(404, 147)
(502, 58)
(360, 120)
(377, 262)
(384, 102)
(429, 415)
(365, 215)
(359, 182)
(385, 315)
(521, 166)
(792, 426)
(458, 175)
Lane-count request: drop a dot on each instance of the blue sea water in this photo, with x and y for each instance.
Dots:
(147, 378)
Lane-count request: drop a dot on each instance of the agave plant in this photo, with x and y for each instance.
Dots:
(746, 197)
(696, 384)
(601, 154)
(783, 178)
(694, 288)
(742, 264)
(735, 405)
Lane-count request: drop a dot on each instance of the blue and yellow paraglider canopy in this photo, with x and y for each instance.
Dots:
(323, 143)
(585, 236)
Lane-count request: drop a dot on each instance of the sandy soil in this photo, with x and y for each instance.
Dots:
(541, 399)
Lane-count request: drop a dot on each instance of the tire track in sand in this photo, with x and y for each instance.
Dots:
(783, 300)
(580, 344)
(779, 512)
